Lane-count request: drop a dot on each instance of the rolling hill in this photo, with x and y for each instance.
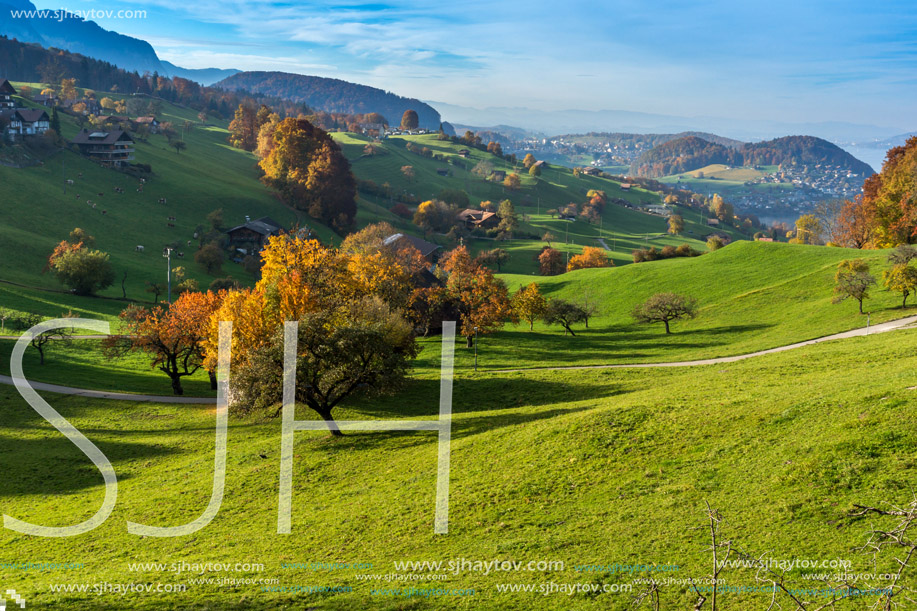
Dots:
(332, 95)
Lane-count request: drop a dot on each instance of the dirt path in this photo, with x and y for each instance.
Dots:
(892, 325)
(103, 394)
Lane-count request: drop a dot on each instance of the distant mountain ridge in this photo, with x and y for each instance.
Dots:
(333, 95)
(90, 39)
(690, 153)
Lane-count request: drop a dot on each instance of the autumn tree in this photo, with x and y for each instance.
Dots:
(563, 313)
(901, 278)
(243, 129)
(480, 299)
(351, 338)
(676, 224)
(408, 172)
(80, 236)
(512, 181)
(548, 237)
(68, 89)
(434, 215)
(853, 280)
(535, 171)
(495, 148)
(529, 304)
(550, 262)
(665, 308)
(721, 209)
(309, 170)
(409, 120)
(174, 336)
(528, 161)
(590, 257)
(83, 270)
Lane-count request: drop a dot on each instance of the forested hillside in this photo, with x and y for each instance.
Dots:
(332, 95)
(692, 152)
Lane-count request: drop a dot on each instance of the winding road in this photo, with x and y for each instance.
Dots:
(884, 327)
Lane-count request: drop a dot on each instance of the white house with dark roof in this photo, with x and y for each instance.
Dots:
(26, 122)
(6, 95)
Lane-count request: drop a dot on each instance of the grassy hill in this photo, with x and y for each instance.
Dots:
(622, 229)
(752, 296)
(586, 468)
(40, 210)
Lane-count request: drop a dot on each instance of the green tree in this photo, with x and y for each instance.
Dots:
(853, 280)
(665, 308)
(564, 313)
(901, 278)
(83, 270)
(535, 171)
(497, 256)
(809, 229)
(210, 257)
(509, 221)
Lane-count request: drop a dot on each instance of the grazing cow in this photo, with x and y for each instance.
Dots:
(172, 225)
(189, 243)
(143, 181)
(93, 206)
(139, 248)
(80, 175)
(181, 255)
(105, 212)
(171, 218)
(77, 195)
(101, 194)
(69, 182)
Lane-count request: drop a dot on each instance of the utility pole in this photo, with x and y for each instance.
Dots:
(167, 253)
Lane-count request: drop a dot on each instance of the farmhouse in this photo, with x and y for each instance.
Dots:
(46, 99)
(6, 95)
(251, 236)
(478, 218)
(114, 148)
(464, 152)
(625, 186)
(498, 175)
(25, 122)
(427, 250)
(713, 222)
(591, 171)
(151, 122)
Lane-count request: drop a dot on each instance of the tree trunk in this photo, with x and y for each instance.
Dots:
(329, 420)
(667, 330)
(531, 325)
(469, 341)
(861, 306)
(41, 355)
(566, 328)
(176, 385)
(213, 379)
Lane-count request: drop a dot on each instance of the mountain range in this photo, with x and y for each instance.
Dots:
(88, 38)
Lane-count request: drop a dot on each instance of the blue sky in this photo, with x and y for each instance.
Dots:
(793, 61)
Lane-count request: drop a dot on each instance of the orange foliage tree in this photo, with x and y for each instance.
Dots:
(480, 298)
(353, 334)
(591, 257)
(173, 336)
